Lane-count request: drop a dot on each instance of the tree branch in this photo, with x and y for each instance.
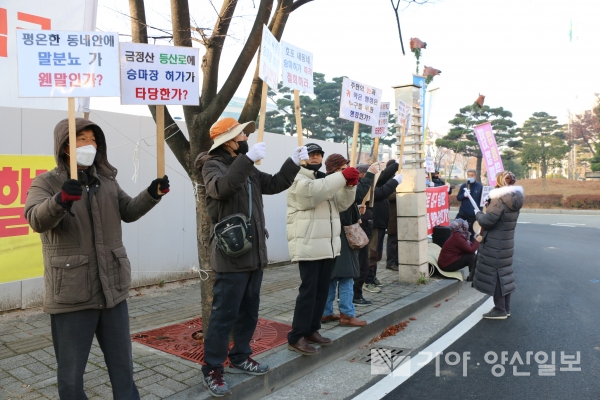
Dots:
(241, 65)
(299, 3)
(178, 143)
(276, 26)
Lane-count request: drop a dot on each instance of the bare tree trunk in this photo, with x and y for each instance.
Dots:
(479, 159)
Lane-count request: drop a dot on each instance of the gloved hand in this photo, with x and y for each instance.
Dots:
(467, 193)
(71, 191)
(398, 178)
(300, 154)
(376, 167)
(351, 174)
(476, 210)
(257, 152)
(164, 187)
(431, 184)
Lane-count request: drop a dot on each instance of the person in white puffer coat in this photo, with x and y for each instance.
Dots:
(314, 202)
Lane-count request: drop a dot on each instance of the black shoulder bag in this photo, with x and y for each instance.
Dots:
(234, 232)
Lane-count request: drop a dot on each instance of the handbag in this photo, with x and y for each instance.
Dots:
(357, 238)
(234, 232)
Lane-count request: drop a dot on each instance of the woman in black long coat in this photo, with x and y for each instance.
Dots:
(494, 271)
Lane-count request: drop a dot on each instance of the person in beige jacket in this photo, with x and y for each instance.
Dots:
(314, 202)
(86, 270)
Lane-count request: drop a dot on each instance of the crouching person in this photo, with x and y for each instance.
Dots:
(459, 250)
(234, 189)
(86, 270)
(315, 201)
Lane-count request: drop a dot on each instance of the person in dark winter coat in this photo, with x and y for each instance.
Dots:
(87, 273)
(438, 181)
(346, 265)
(459, 251)
(392, 236)
(388, 180)
(494, 271)
(230, 177)
(466, 208)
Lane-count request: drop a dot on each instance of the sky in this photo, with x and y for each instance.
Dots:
(515, 52)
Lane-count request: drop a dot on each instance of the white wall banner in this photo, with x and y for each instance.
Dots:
(68, 15)
(159, 74)
(360, 102)
(297, 68)
(270, 50)
(68, 63)
(381, 129)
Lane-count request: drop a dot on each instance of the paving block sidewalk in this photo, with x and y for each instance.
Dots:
(28, 365)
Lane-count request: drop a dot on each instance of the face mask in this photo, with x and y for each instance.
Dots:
(85, 155)
(242, 147)
(313, 167)
(471, 180)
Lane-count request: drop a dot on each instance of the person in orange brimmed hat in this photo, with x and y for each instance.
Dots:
(234, 189)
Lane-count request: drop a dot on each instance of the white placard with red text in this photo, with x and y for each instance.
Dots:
(159, 74)
(297, 68)
(68, 63)
(381, 129)
(360, 103)
(270, 50)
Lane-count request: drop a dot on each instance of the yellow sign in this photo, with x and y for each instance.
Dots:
(20, 246)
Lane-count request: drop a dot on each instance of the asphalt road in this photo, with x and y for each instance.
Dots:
(555, 308)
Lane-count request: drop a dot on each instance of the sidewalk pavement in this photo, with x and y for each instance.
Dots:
(28, 365)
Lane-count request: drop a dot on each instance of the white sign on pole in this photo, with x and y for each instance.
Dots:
(159, 74)
(360, 102)
(429, 167)
(270, 50)
(381, 129)
(68, 64)
(297, 68)
(485, 193)
(404, 115)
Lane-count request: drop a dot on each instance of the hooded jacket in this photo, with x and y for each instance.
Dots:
(495, 255)
(381, 207)
(85, 262)
(313, 214)
(226, 179)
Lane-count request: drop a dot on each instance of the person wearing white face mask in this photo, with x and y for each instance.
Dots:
(86, 270)
(475, 189)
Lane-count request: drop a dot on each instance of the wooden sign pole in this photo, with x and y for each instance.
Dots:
(402, 145)
(376, 150)
(298, 118)
(263, 109)
(354, 144)
(72, 139)
(160, 142)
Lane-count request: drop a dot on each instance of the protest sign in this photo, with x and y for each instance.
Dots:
(489, 149)
(159, 74)
(67, 64)
(438, 207)
(381, 129)
(20, 246)
(485, 193)
(268, 71)
(429, 167)
(359, 103)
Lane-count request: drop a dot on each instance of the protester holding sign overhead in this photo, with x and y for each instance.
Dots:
(238, 254)
(86, 270)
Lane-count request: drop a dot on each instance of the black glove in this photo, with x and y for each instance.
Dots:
(164, 187)
(71, 191)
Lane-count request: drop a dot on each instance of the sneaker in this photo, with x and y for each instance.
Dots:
(508, 313)
(361, 302)
(249, 366)
(370, 287)
(495, 314)
(376, 282)
(215, 383)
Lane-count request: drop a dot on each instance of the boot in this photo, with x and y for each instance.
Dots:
(316, 338)
(302, 347)
(351, 321)
(332, 317)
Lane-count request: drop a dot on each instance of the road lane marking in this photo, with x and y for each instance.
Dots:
(569, 223)
(570, 226)
(402, 373)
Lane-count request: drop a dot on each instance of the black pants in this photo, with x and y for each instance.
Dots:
(470, 220)
(501, 303)
(464, 261)
(312, 296)
(236, 299)
(375, 252)
(72, 335)
(392, 251)
(363, 262)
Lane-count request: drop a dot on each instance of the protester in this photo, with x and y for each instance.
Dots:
(438, 181)
(235, 187)
(313, 230)
(86, 270)
(346, 265)
(494, 271)
(459, 251)
(466, 208)
(388, 180)
(392, 236)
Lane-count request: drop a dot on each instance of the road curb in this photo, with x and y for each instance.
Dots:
(287, 366)
(551, 211)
